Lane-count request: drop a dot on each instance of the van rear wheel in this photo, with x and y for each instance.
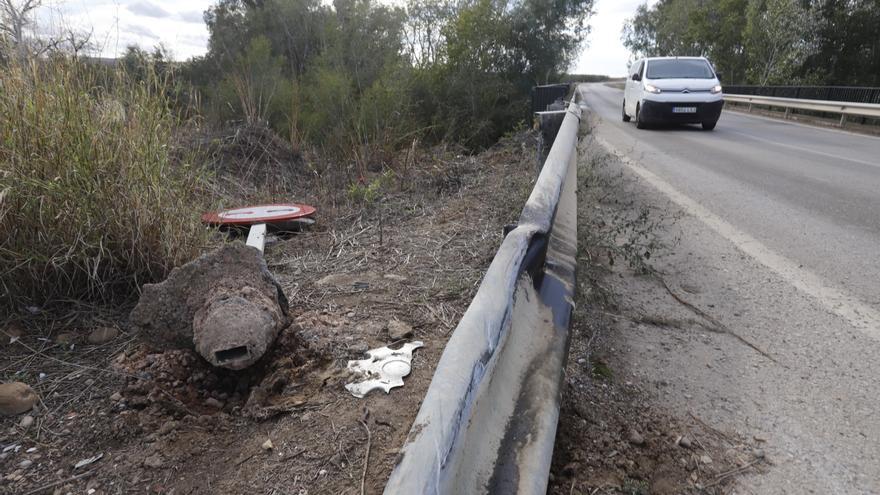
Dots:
(626, 117)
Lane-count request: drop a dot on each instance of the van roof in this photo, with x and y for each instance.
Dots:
(668, 58)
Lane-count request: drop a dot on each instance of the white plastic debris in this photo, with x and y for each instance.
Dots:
(384, 369)
(85, 462)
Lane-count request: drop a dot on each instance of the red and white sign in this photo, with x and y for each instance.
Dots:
(251, 215)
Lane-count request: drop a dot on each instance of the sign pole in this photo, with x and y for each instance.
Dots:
(257, 236)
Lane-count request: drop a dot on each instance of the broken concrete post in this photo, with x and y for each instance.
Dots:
(225, 303)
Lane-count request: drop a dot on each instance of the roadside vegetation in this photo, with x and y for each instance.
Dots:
(92, 200)
(104, 169)
(766, 42)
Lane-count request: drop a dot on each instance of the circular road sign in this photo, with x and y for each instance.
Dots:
(251, 215)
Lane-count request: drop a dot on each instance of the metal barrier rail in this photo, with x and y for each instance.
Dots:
(852, 94)
(488, 421)
(839, 107)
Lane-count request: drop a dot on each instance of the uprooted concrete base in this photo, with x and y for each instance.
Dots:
(225, 303)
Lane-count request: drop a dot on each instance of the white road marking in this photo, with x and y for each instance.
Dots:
(801, 148)
(776, 120)
(836, 301)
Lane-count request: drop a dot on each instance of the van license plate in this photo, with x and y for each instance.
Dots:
(684, 109)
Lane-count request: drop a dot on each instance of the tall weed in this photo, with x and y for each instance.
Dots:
(93, 200)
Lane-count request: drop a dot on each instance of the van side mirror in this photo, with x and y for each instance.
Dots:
(718, 75)
(636, 77)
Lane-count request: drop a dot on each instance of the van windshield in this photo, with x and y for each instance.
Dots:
(679, 69)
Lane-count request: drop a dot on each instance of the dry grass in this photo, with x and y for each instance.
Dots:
(92, 202)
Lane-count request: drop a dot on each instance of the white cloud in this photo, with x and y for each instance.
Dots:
(193, 16)
(148, 9)
(115, 24)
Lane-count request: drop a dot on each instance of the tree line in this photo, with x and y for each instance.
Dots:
(766, 42)
(358, 71)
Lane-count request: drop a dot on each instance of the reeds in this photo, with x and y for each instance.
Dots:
(93, 203)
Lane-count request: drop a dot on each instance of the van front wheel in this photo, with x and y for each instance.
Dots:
(708, 126)
(640, 124)
(626, 117)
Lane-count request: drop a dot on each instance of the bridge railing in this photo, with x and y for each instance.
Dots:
(844, 101)
(851, 94)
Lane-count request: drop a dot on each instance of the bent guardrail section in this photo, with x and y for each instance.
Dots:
(488, 421)
(840, 107)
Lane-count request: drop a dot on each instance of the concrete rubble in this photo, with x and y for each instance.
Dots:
(225, 303)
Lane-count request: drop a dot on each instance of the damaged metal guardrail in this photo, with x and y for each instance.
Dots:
(488, 421)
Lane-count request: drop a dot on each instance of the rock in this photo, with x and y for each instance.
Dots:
(225, 303)
(65, 338)
(26, 422)
(398, 330)
(116, 397)
(661, 485)
(212, 402)
(25, 463)
(167, 427)
(685, 442)
(635, 438)
(13, 332)
(691, 288)
(154, 461)
(102, 335)
(759, 454)
(267, 445)
(705, 459)
(16, 398)
(359, 348)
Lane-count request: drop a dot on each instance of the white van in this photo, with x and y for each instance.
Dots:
(682, 90)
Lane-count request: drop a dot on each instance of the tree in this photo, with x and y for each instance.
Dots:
(848, 45)
(778, 39)
(15, 16)
(640, 32)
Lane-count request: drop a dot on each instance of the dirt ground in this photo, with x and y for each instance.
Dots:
(140, 420)
(615, 433)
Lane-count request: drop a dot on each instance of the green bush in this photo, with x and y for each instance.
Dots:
(93, 202)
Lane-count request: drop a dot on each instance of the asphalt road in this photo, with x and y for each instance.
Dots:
(781, 239)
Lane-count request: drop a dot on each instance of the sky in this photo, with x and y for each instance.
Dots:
(179, 26)
(603, 52)
(115, 24)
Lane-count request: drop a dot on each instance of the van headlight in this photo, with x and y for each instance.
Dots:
(715, 89)
(650, 88)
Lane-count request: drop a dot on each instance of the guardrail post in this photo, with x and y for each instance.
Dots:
(787, 113)
(843, 120)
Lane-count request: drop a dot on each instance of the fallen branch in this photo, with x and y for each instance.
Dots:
(60, 482)
(717, 324)
(367, 457)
